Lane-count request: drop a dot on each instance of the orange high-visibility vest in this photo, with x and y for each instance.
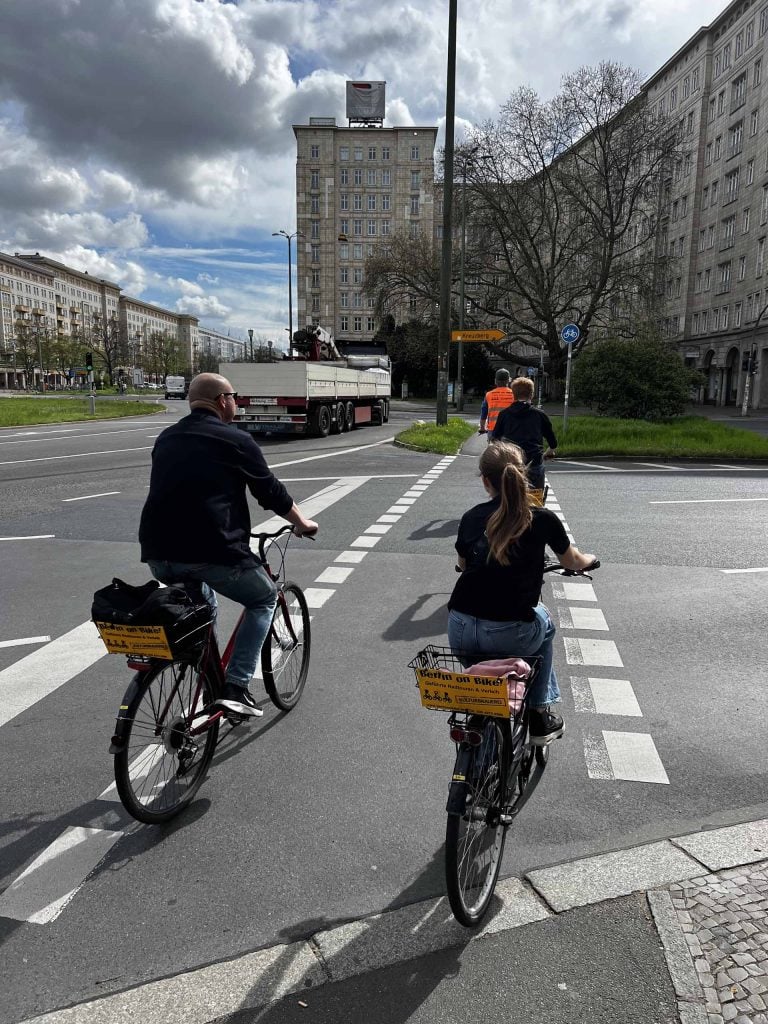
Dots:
(498, 399)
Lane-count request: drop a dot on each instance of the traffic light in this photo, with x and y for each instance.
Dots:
(89, 361)
(753, 364)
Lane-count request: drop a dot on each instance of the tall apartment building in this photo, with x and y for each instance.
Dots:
(715, 201)
(54, 298)
(354, 187)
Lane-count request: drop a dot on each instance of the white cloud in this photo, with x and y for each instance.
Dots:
(202, 306)
(180, 284)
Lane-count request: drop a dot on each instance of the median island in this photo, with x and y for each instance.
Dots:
(686, 437)
(18, 412)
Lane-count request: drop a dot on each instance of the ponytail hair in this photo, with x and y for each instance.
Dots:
(503, 465)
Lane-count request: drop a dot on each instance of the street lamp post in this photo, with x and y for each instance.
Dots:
(250, 339)
(444, 324)
(285, 234)
(467, 160)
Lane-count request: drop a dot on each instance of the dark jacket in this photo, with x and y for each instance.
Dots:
(527, 428)
(197, 507)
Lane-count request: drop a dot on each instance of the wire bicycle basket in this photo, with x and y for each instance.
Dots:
(445, 684)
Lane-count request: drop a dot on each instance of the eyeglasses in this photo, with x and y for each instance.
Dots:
(227, 394)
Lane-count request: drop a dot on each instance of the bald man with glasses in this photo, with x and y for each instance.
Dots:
(196, 524)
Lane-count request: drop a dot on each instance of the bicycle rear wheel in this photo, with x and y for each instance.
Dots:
(285, 654)
(159, 765)
(474, 838)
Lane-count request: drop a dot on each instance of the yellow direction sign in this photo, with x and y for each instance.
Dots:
(492, 334)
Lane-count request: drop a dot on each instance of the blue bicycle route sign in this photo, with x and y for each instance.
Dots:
(570, 333)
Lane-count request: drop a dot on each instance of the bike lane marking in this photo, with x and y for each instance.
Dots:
(45, 887)
(609, 755)
(25, 640)
(37, 895)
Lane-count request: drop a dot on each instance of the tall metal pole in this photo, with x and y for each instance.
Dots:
(290, 303)
(567, 389)
(460, 358)
(444, 325)
(250, 338)
(751, 363)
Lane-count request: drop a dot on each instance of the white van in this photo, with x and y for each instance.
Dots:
(176, 387)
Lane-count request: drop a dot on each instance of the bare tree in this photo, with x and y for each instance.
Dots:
(565, 199)
(108, 341)
(562, 203)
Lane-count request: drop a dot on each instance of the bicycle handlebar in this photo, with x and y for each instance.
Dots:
(264, 538)
(564, 571)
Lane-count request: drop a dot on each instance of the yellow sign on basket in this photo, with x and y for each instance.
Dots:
(451, 691)
(149, 641)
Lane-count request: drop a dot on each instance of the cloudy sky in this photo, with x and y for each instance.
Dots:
(150, 142)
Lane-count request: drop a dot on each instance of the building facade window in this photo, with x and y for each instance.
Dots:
(358, 176)
(372, 202)
(358, 152)
(314, 152)
(386, 178)
(414, 152)
(370, 323)
(344, 176)
(357, 323)
(370, 176)
(385, 227)
(754, 122)
(357, 201)
(314, 179)
(314, 204)
(344, 323)
(414, 206)
(314, 253)
(343, 152)
(343, 200)
(358, 275)
(315, 230)
(371, 152)
(750, 171)
(385, 152)
(745, 221)
(315, 278)
(386, 199)
(735, 138)
(357, 226)
(344, 275)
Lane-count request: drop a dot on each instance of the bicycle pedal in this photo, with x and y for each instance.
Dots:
(506, 819)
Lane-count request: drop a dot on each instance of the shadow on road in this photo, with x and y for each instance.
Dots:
(408, 626)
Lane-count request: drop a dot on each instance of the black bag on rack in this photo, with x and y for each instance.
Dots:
(185, 616)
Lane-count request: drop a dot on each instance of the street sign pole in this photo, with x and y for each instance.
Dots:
(567, 389)
(569, 334)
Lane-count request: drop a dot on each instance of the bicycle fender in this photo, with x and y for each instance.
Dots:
(118, 740)
(457, 791)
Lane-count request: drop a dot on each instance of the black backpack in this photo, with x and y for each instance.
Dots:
(184, 614)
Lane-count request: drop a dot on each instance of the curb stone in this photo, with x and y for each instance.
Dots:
(264, 976)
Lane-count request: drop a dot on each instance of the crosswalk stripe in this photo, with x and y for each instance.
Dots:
(567, 591)
(315, 504)
(583, 651)
(43, 890)
(605, 696)
(582, 618)
(634, 757)
(45, 670)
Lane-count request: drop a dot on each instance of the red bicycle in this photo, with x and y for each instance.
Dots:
(168, 722)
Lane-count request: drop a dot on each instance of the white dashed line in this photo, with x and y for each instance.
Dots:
(350, 556)
(25, 640)
(365, 542)
(85, 497)
(564, 590)
(581, 651)
(634, 757)
(582, 618)
(317, 596)
(377, 528)
(592, 695)
(335, 574)
(43, 890)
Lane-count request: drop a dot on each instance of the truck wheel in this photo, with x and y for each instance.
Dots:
(341, 419)
(377, 414)
(321, 421)
(350, 416)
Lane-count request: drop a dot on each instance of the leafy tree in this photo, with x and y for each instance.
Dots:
(207, 362)
(642, 379)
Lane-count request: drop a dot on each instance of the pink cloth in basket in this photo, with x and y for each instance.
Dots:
(515, 669)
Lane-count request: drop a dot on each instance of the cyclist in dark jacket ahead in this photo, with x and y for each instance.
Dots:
(196, 524)
(528, 428)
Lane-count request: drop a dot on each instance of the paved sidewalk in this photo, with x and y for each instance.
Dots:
(671, 932)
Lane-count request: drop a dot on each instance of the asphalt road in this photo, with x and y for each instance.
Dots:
(337, 810)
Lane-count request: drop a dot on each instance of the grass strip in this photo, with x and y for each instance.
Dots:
(444, 440)
(687, 437)
(17, 412)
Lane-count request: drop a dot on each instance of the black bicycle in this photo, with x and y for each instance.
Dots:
(496, 770)
(168, 723)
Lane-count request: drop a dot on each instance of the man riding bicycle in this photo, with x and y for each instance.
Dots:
(527, 427)
(196, 525)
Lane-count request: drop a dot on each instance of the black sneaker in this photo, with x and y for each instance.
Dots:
(238, 699)
(544, 726)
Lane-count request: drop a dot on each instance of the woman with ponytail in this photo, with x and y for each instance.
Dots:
(494, 609)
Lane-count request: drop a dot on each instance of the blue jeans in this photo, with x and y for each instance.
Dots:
(484, 639)
(249, 585)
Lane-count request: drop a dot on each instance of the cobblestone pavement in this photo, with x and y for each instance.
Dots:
(724, 918)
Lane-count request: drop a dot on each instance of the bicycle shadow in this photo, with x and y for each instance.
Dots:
(356, 970)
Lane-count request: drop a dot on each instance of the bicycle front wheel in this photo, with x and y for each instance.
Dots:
(285, 654)
(474, 838)
(159, 763)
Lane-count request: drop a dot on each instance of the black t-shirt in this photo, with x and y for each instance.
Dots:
(504, 593)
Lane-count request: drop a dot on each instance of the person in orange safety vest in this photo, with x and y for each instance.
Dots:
(498, 398)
